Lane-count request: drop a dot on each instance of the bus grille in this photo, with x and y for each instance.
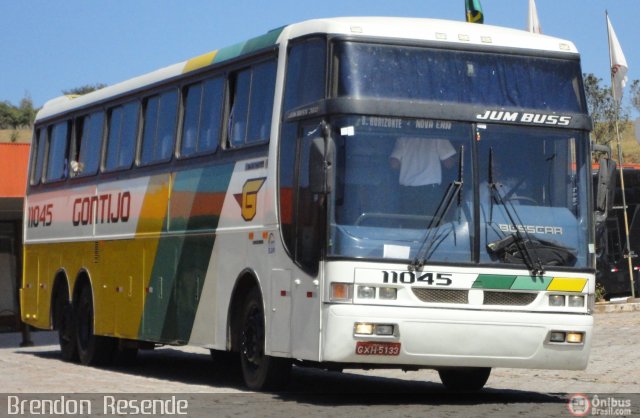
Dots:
(462, 297)
(508, 298)
(441, 295)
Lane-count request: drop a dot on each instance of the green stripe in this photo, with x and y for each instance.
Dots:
(248, 47)
(493, 281)
(531, 283)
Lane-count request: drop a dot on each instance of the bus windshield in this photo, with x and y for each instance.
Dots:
(429, 74)
(444, 191)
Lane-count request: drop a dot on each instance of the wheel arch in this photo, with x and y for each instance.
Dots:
(60, 284)
(247, 280)
(83, 278)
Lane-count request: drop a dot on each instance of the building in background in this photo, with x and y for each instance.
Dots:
(14, 157)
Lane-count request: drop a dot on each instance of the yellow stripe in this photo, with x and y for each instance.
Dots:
(199, 61)
(562, 284)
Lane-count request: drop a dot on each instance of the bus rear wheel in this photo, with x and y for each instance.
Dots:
(464, 379)
(259, 371)
(93, 350)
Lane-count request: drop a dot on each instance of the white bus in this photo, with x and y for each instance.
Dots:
(337, 193)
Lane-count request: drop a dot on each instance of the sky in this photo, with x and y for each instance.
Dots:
(50, 46)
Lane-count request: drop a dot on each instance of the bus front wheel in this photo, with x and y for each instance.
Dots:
(93, 350)
(64, 324)
(464, 379)
(259, 371)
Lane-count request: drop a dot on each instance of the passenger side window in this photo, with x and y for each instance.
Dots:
(202, 117)
(57, 161)
(251, 95)
(121, 140)
(159, 131)
(88, 147)
(39, 153)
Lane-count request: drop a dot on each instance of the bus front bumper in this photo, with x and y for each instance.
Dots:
(434, 337)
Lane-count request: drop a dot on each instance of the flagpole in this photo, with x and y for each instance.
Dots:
(628, 254)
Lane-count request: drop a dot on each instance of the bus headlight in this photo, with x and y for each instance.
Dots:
(366, 292)
(388, 293)
(576, 301)
(556, 300)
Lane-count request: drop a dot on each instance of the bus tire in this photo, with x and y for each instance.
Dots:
(259, 371)
(93, 350)
(63, 322)
(464, 379)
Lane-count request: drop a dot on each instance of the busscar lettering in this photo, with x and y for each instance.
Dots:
(40, 215)
(532, 229)
(105, 208)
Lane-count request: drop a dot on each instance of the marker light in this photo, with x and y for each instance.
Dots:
(389, 293)
(575, 337)
(556, 300)
(363, 328)
(366, 292)
(576, 301)
(341, 292)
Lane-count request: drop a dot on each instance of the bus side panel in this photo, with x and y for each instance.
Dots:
(29, 290)
(240, 248)
(182, 260)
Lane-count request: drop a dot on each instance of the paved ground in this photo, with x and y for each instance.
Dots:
(614, 368)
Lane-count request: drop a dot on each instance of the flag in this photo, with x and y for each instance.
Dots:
(473, 11)
(618, 64)
(534, 23)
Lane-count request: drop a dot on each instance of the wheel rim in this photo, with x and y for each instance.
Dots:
(252, 339)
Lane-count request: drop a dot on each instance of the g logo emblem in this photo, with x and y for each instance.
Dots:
(248, 199)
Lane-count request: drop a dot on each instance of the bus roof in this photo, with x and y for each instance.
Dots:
(445, 31)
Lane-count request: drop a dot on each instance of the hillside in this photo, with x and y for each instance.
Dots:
(630, 147)
(20, 136)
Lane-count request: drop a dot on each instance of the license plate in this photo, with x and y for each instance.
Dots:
(370, 348)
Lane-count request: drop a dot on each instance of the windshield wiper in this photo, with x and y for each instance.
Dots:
(516, 239)
(432, 235)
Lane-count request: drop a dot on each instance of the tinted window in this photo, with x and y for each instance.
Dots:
(121, 141)
(488, 79)
(261, 105)
(240, 107)
(159, 127)
(202, 119)
(252, 92)
(39, 152)
(89, 144)
(305, 74)
(57, 162)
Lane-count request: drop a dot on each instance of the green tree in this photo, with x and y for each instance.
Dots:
(26, 111)
(635, 94)
(17, 117)
(603, 110)
(9, 116)
(79, 91)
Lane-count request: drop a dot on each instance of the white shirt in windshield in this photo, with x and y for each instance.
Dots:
(420, 158)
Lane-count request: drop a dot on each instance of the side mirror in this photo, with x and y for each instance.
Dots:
(605, 186)
(321, 163)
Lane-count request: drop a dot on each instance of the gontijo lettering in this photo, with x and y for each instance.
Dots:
(104, 208)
